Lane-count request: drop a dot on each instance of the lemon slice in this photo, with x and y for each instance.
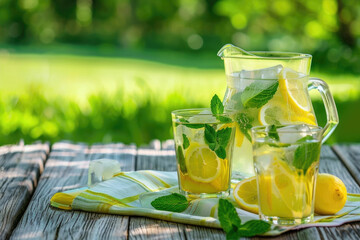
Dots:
(273, 113)
(202, 164)
(293, 86)
(245, 194)
(276, 112)
(239, 136)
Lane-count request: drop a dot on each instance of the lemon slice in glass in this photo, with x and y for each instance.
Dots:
(202, 164)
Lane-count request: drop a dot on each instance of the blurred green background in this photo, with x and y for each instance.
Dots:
(106, 71)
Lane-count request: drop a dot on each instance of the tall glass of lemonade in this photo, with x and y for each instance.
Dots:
(286, 161)
(204, 144)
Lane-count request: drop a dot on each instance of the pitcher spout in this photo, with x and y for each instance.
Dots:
(229, 50)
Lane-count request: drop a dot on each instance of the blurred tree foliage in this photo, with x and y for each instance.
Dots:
(329, 29)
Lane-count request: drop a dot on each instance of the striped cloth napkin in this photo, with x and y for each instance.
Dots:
(131, 193)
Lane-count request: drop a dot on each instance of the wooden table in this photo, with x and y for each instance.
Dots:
(31, 174)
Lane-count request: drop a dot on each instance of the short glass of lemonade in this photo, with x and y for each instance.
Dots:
(204, 146)
(286, 162)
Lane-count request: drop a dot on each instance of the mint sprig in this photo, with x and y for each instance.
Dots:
(228, 216)
(306, 154)
(217, 108)
(174, 202)
(231, 223)
(217, 140)
(186, 142)
(245, 124)
(258, 93)
(216, 105)
(181, 159)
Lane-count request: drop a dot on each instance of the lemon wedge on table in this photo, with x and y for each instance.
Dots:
(202, 164)
(245, 194)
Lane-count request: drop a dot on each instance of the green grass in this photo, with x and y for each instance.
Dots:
(98, 99)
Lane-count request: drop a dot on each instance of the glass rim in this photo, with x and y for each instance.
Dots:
(258, 55)
(262, 129)
(187, 112)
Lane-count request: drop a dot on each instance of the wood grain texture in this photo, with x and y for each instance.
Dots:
(330, 163)
(164, 160)
(20, 169)
(67, 168)
(152, 157)
(350, 155)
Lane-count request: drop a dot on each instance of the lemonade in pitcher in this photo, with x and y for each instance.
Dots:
(269, 88)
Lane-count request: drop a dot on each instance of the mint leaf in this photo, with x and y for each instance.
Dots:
(259, 93)
(269, 141)
(174, 203)
(238, 103)
(194, 125)
(181, 159)
(218, 108)
(233, 234)
(210, 136)
(223, 136)
(216, 105)
(221, 152)
(245, 124)
(186, 142)
(252, 228)
(306, 154)
(305, 139)
(217, 140)
(228, 216)
(273, 133)
(231, 223)
(224, 119)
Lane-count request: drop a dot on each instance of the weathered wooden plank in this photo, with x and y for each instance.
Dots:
(67, 168)
(151, 157)
(148, 228)
(350, 155)
(20, 169)
(330, 163)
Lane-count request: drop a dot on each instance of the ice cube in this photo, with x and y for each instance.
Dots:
(292, 133)
(199, 137)
(180, 130)
(101, 170)
(263, 73)
(203, 117)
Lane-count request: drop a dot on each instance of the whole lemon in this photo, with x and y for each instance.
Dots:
(330, 194)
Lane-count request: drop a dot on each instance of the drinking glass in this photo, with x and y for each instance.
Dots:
(286, 162)
(203, 144)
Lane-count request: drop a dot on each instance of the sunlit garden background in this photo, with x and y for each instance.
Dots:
(109, 71)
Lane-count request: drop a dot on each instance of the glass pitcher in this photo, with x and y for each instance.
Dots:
(270, 88)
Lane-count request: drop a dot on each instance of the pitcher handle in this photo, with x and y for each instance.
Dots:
(329, 103)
